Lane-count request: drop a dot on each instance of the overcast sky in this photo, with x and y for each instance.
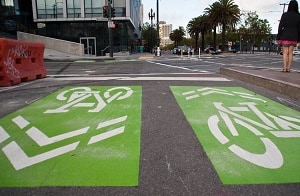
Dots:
(180, 12)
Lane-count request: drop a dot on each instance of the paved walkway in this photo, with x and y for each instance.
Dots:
(275, 80)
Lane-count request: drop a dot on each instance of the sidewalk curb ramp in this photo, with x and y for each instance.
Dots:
(290, 89)
(21, 61)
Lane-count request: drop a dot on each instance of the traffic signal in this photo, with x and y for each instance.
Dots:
(105, 11)
(113, 12)
(115, 26)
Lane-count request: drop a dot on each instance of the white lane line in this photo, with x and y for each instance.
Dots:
(172, 66)
(131, 75)
(215, 79)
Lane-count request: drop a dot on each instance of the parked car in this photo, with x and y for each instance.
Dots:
(174, 51)
(184, 50)
(233, 50)
(216, 52)
(211, 50)
(208, 50)
(296, 52)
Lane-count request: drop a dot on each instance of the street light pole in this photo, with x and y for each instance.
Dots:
(151, 15)
(157, 22)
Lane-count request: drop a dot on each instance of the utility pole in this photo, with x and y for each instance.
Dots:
(284, 4)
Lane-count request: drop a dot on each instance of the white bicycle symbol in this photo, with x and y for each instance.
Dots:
(80, 94)
(280, 127)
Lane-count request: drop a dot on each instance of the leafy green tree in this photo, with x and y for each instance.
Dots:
(224, 13)
(177, 35)
(149, 35)
(196, 26)
(212, 13)
(255, 29)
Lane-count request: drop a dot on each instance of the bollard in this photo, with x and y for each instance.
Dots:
(158, 51)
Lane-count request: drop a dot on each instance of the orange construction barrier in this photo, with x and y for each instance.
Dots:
(21, 61)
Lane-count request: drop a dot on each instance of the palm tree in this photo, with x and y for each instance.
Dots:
(196, 26)
(212, 13)
(177, 35)
(224, 13)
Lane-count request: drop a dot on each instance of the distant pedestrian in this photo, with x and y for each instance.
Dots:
(289, 33)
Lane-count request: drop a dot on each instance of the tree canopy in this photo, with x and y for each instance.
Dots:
(177, 35)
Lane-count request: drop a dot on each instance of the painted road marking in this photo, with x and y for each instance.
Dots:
(172, 66)
(145, 57)
(78, 136)
(244, 134)
(103, 78)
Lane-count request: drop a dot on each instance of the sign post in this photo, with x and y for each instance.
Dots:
(110, 29)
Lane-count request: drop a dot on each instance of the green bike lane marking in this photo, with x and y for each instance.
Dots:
(77, 136)
(249, 138)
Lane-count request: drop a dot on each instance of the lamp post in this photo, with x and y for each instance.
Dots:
(157, 22)
(151, 15)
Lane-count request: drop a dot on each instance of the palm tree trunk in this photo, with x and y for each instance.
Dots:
(223, 36)
(215, 38)
(196, 37)
(202, 46)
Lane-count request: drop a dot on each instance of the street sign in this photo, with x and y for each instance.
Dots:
(249, 139)
(110, 24)
(77, 136)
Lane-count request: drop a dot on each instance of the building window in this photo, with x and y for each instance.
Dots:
(120, 11)
(73, 8)
(49, 9)
(93, 8)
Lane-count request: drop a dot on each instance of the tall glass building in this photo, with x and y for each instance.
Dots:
(16, 15)
(82, 21)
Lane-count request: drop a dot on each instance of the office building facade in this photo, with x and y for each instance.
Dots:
(83, 21)
(164, 33)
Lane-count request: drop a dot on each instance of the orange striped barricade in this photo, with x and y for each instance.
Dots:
(21, 61)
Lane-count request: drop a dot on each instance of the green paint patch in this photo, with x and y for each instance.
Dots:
(77, 136)
(249, 138)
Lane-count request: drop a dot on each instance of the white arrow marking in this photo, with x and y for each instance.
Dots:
(3, 135)
(111, 122)
(106, 135)
(21, 122)
(41, 139)
(20, 160)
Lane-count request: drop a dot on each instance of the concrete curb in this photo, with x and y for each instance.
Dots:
(291, 90)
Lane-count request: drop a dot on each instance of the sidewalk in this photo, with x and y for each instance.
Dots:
(275, 80)
(53, 55)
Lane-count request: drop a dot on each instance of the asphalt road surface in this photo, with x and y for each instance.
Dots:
(174, 160)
